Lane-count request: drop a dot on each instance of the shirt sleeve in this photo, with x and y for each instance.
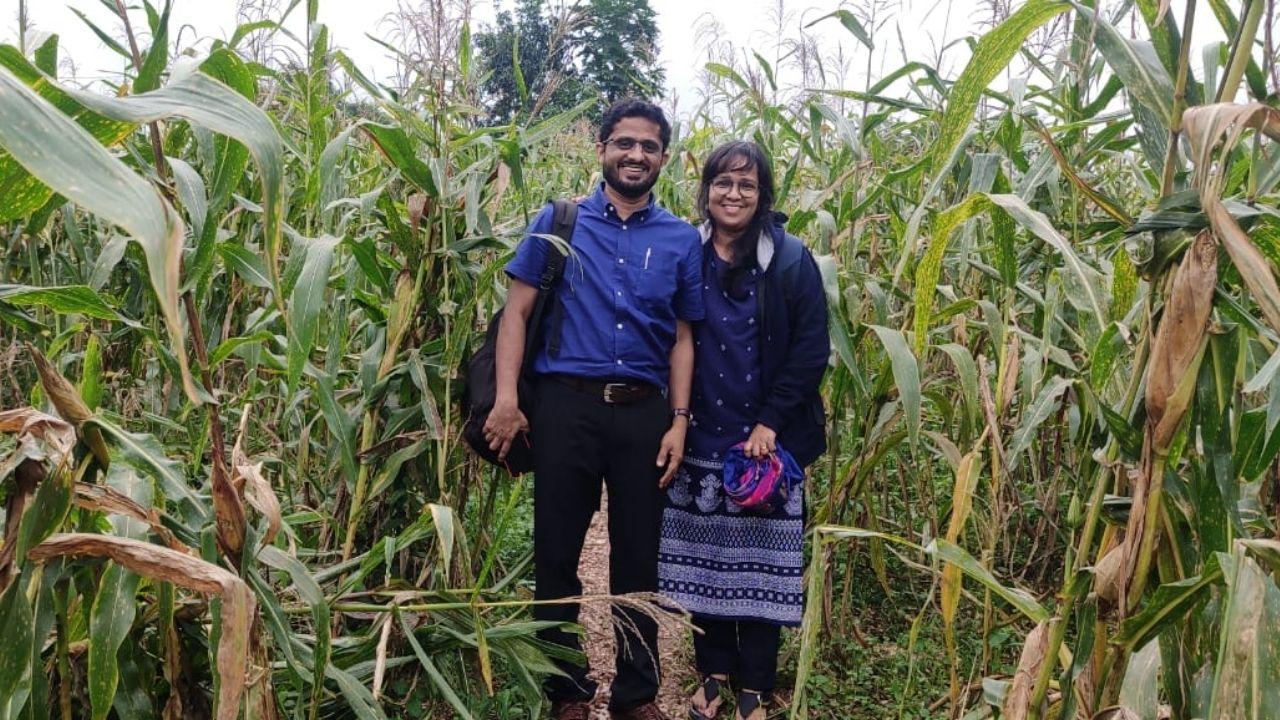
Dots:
(688, 303)
(531, 255)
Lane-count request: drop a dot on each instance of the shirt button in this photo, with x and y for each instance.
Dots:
(621, 261)
(619, 361)
(619, 326)
(624, 227)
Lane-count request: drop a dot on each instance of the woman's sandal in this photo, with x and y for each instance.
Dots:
(710, 693)
(748, 702)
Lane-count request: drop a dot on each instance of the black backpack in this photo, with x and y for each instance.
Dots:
(481, 384)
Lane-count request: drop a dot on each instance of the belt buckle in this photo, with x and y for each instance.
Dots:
(609, 389)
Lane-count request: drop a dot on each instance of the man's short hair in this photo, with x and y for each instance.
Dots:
(633, 107)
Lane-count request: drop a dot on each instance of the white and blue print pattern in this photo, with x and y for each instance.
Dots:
(719, 561)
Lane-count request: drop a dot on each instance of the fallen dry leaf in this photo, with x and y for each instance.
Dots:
(160, 563)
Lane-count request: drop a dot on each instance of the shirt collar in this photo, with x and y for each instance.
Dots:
(599, 202)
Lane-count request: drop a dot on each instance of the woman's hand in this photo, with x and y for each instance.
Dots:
(671, 451)
(762, 441)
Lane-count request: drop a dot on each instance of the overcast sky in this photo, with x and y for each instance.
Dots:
(916, 30)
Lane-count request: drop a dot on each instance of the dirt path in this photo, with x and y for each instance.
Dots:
(672, 643)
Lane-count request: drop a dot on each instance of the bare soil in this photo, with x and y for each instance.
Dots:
(673, 643)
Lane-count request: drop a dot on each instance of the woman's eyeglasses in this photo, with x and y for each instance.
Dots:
(625, 144)
(746, 188)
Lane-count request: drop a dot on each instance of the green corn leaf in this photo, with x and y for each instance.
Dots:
(90, 386)
(191, 191)
(442, 685)
(157, 57)
(1045, 404)
(1017, 597)
(397, 148)
(106, 38)
(1136, 64)
(1168, 606)
(208, 103)
(67, 158)
(967, 371)
(145, 453)
(311, 593)
(48, 509)
(929, 270)
(1246, 679)
(245, 263)
(850, 23)
(15, 632)
(46, 56)
(306, 302)
(114, 608)
(906, 375)
(65, 300)
(992, 53)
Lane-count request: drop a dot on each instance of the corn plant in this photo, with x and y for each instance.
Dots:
(236, 289)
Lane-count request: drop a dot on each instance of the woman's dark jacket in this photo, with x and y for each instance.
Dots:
(794, 345)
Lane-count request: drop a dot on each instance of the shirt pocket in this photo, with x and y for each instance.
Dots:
(653, 274)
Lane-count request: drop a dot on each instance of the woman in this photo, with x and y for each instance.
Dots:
(760, 356)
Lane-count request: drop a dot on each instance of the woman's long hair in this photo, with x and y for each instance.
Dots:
(739, 155)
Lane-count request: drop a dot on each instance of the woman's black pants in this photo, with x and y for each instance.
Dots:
(744, 649)
(579, 440)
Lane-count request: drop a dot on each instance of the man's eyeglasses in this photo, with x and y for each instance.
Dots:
(746, 188)
(625, 144)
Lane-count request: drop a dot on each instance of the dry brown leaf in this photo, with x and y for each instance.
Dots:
(1008, 373)
(962, 502)
(380, 656)
(1216, 130)
(417, 207)
(257, 490)
(1180, 340)
(228, 512)
(103, 498)
(1162, 11)
(64, 396)
(501, 182)
(1254, 269)
(398, 320)
(1017, 701)
(1106, 574)
(1117, 712)
(30, 424)
(1207, 126)
(68, 403)
(159, 563)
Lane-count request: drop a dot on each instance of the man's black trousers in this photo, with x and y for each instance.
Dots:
(580, 440)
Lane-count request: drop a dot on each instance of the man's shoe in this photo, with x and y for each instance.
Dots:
(648, 711)
(571, 710)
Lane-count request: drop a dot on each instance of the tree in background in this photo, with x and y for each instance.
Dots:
(568, 53)
(619, 49)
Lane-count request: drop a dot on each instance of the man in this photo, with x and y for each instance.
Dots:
(630, 290)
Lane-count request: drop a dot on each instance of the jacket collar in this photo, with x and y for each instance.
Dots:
(763, 251)
(770, 236)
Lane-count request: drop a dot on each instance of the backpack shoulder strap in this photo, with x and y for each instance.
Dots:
(564, 218)
(790, 256)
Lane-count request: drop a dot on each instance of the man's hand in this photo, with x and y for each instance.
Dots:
(761, 442)
(671, 451)
(505, 422)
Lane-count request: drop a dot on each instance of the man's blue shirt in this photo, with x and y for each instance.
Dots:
(625, 284)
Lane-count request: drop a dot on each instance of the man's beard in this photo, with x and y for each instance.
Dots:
(629, 190)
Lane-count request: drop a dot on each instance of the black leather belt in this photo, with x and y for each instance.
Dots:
(612, 393)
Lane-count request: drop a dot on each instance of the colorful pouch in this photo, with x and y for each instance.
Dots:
(760, 484)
